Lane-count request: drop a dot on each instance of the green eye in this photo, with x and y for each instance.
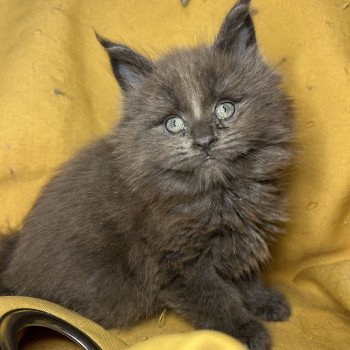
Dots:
(174, 124)
(225, 110)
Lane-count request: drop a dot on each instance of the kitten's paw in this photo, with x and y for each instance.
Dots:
(254, 335)
(273, 308)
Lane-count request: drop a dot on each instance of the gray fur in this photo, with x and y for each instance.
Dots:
(142, 220)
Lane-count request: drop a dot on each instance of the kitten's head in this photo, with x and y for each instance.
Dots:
(202, 117)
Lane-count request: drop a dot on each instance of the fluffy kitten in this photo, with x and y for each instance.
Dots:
(175, 207)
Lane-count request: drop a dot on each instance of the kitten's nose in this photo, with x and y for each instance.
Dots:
(204, 143)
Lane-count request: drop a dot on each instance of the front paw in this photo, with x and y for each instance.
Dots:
(254, 335)
(273, 308)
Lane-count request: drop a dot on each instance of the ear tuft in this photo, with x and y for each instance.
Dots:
(103, 41)
(237, 30)
(129, 67)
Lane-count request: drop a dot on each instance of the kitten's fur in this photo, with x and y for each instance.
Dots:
(140, 220)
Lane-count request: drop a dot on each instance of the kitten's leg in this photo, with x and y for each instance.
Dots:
(266, 303)
(209, 302)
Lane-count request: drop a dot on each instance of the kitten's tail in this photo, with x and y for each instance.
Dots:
(7, 246)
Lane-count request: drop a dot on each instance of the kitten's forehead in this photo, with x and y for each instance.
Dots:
(193, 81)
(196, 106)
(188, 76)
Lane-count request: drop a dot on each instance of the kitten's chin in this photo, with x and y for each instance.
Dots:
(209, 172)
(209, 161)
(208, 158)
(208, 164)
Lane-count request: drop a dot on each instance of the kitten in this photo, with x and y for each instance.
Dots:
(175, 207)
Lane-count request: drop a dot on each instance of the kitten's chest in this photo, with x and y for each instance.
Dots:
(217, 226)
(207, 213)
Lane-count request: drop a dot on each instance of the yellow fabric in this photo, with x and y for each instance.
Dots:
(56, 93)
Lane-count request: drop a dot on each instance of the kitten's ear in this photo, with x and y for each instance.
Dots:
(237, 31)
(129, 67)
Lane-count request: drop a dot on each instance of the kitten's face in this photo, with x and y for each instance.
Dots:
(206, 115)
(195, 87)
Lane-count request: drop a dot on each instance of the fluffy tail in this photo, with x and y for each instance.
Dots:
(7, 246)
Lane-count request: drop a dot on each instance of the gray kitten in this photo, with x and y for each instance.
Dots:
(175, 207)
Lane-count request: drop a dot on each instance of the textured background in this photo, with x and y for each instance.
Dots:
(57, 93)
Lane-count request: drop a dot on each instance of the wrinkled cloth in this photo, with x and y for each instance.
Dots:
(57, 93)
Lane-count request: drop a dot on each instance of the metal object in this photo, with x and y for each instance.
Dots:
(184, 3)
(14, 321)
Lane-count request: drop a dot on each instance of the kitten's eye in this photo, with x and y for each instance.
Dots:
(174, 124)
(224, 110)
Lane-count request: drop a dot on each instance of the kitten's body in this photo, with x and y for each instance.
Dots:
(140, 220)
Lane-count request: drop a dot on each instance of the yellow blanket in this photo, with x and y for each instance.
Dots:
(57, 92)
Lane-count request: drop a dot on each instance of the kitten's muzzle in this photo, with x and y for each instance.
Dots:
(204, 143)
